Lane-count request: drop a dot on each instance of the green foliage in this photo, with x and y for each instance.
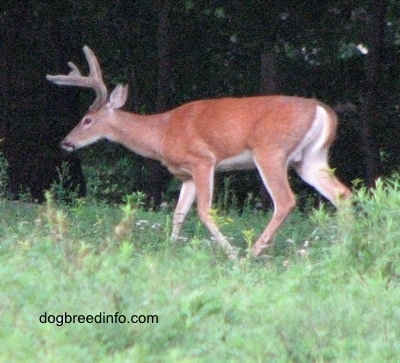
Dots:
(328, 290)
(115, 174)
(60, 188)
(3, 176)
(372, 246)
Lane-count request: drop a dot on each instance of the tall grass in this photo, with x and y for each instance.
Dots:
(328, 291)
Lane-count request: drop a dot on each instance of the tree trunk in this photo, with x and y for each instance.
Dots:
(163, 50)
(33, 122)
(269, 73)
(15, 21)
(269, 86)
(158, 175)
(372, 109)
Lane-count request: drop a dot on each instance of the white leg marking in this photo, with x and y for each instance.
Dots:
(187, 196)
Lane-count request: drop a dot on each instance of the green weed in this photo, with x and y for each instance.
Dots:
(328, 290)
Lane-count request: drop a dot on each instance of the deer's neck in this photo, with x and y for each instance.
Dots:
(142, 134)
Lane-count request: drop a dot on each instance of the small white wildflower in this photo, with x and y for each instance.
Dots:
(142, 222)
(37, 221)
(362, 49)
(302, 252)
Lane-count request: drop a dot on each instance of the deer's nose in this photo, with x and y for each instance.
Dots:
(67, 145)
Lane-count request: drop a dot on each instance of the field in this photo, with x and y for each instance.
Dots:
(329, 290)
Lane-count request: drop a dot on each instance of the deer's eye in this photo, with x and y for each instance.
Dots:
(87, 121)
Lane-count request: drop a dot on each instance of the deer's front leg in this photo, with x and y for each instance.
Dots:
(203, 178)
(187, 196)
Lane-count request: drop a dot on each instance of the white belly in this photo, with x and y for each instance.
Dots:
(243, 161)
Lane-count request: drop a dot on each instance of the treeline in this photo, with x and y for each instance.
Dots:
(344, 53)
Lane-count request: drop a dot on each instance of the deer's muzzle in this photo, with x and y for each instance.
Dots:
(68, 146)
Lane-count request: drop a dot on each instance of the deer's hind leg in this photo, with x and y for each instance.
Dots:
(275, 179)
(315, 171)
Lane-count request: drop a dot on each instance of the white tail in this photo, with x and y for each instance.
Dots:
(199, 138)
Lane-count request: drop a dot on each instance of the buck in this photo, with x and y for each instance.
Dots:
(202, 137)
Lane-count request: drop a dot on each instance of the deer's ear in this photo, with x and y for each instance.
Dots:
(118, 96)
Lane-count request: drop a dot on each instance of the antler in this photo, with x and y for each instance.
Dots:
(75, 78)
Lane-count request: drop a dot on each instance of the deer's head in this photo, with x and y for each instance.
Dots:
(97, 122)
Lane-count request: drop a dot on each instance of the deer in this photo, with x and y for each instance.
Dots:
(197, 139)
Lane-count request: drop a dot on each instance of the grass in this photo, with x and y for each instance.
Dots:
(328, 291)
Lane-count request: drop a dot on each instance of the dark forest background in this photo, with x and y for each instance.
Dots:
(345, 53)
